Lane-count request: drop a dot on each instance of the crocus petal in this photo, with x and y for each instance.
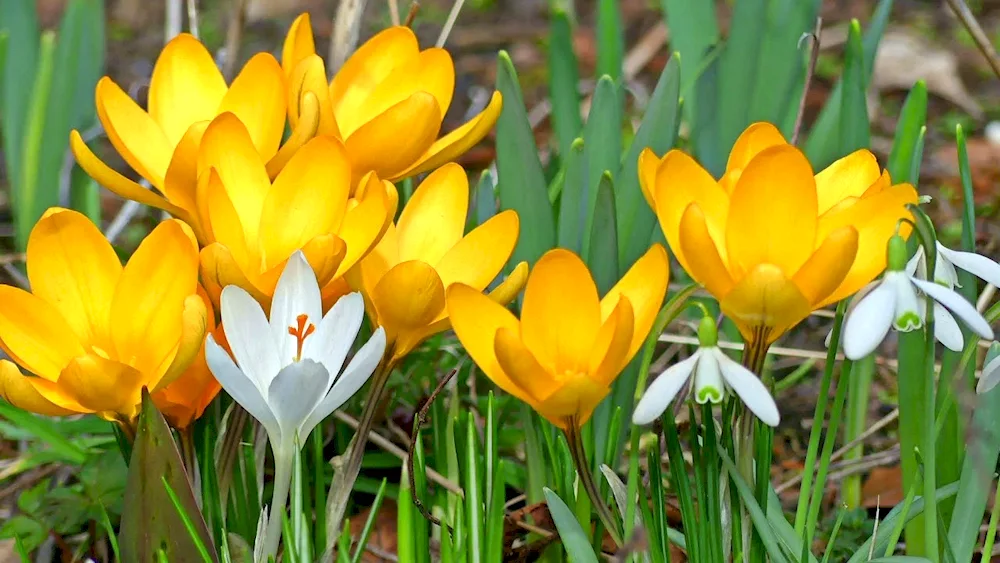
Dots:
(186, 86)
(749, 388)
(847, 177)
(614, 340)
(574, 401)
(242, 388)
(295, 392)
(181, 181)
(663, 389)
(304, 130)
(868, 324)
(976, 264)
(648, 163)
(363, 224)
(946, 329)
(765, 303)
(377, 144)
(35, 333)
(17, 390)
(708, 381)
(336, 332)
(433, 220)
(458, 142)
(221, 217)
(139, 139)
(298, 44)
(754, 140)
(704, 264)
(297, 293)
(73, 267)
(990, 377)
(147, 310)
(775, 199)
(408, 297)
(824, 271)
(909, 311)
(360, 369)
(194, 325)
(219, 269)
(507, 290)
(326, 254)
(532, 381)
(561, 312)
(644, 285)
(309, 78)
(958, 306)
(257, 97)
(103, 385)
(479, 256)
(249, 337)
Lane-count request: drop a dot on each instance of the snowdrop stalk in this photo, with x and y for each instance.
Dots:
(287, 372)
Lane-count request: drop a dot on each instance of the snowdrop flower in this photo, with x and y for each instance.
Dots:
(287, 372)
(895, 302)
(714, 372)
(991, 370)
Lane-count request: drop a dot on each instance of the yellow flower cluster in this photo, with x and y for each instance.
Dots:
(770, 240)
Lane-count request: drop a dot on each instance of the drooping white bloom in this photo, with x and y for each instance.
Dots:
(287, 372)
(894, 302)
(713, 373)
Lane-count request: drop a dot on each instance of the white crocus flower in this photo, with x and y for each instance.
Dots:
(894, 302)
(287, 372)
(713, 373)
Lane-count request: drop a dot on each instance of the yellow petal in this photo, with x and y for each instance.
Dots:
(482, 253)
(825, 270)
(17, 390)
(181, 181)
(228, 148)
(376, 263)
(103, 385)
(221, 219)
(754, 139)
(458, 142)
(298, 44)
(705, 266)
(72, 266)
(368, 67)
(507, 290)
(258, 98)
(875, 218)
(883, 182)
(186, 87)
(325, 254)
(309, 77)
(648, 163)
(35, 334)
(305, 129)
(764, 304)
(476, 320)
(532, 382)
(408, 297)
(112, 180)
(137, 137)
(575, 401)
(561, 312)
(614, 342)
(362, 227)
(644, 285)
(194, 327)
(308, 199)
(377, 145)
(434, 219)
(772, 213)
(849, 176)
(679, 181)
(219, 269)
(147, 311)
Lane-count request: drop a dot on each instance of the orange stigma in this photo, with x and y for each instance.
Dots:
(300, 333)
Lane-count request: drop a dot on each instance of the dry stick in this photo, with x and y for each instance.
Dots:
(813, 57)
(418, 422)
(192, 9)
(450, 22)
(346, 30)
(234, 34)
(412, 14)
(976, 31)
(394, 12)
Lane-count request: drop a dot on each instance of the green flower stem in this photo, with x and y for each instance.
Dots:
(858, 393)
(579, 454)
(991, 531)
(911, 408)
(753, 450)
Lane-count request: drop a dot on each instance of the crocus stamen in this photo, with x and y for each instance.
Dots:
(300, 333)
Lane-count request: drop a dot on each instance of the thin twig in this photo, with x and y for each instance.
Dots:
(192, 9)
(394, 12)
(882, 423)
(813, 57)
(450, 22)
(346, 30)
(418, 422)
(234, 35)
(173, 19)
(412, 14)
(982, 40)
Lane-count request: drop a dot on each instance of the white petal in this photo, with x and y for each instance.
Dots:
(241, 388)
(749, 388)
(295, 392)
(946, 329)
(959, 306)
(297, 293)
(249, 336)
(336, 333)
(908, 314)
(708, 384)
(867, 325)
(944, 272)
(976, 264)
(360, 369)
(663, 389)
(990, 377)
(917, 266)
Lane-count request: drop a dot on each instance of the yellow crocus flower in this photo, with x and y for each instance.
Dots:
(186, 91)
(771, 241)
(95, 333)
(388, 86)
(252, 226)
(405, 277)
(569, 345)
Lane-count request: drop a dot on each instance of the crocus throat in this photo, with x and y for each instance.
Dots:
(300, 333)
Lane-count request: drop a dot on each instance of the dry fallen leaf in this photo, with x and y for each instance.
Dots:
(883, 487)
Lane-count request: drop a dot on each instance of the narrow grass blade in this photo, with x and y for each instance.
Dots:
(572, 207)
(760, 522)
(603, 138)
(564, 79)
(486, 199)
(602, 258)
(369, 523)
(27, 186)
(693, 31)
(610, 39)
(473, 487)
(45, 431)
(573, 537)
(854, 128)
(911, 121)
(19, 21)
